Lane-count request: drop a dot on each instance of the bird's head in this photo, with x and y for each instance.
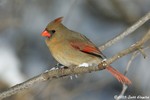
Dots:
(52, 27)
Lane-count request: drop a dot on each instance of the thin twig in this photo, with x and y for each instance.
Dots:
(127, 32)
(131, 49)
(130, 61)
(124, 86)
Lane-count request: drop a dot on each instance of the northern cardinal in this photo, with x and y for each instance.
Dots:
(71, 48)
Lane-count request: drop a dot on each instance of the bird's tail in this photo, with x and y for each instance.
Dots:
(120, 77)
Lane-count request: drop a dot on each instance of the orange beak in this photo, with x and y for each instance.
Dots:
(46, 34)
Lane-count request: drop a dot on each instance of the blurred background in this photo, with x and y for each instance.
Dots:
(24, 54)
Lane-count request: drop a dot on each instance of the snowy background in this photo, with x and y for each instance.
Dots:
(24, 54)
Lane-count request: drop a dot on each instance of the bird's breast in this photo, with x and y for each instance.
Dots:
(65, 54)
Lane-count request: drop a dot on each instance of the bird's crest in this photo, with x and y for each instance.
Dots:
(58, 20)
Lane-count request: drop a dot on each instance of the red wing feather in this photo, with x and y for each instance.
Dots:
(90, 49)
(87, 48)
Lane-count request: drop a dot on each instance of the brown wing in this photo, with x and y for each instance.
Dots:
(85, 45)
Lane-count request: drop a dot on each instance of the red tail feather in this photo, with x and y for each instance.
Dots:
(120, 77)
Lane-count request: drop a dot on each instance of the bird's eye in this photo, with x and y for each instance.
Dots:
(52, 31)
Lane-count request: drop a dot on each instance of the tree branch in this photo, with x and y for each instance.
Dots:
(131, 49)
(127, 32)
(124, 86)
(54, 74)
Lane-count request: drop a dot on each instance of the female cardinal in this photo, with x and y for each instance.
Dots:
(71, 49)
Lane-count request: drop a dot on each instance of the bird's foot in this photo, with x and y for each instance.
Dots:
(58, 66)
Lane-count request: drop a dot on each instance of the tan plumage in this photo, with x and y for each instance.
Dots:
(72, 48)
